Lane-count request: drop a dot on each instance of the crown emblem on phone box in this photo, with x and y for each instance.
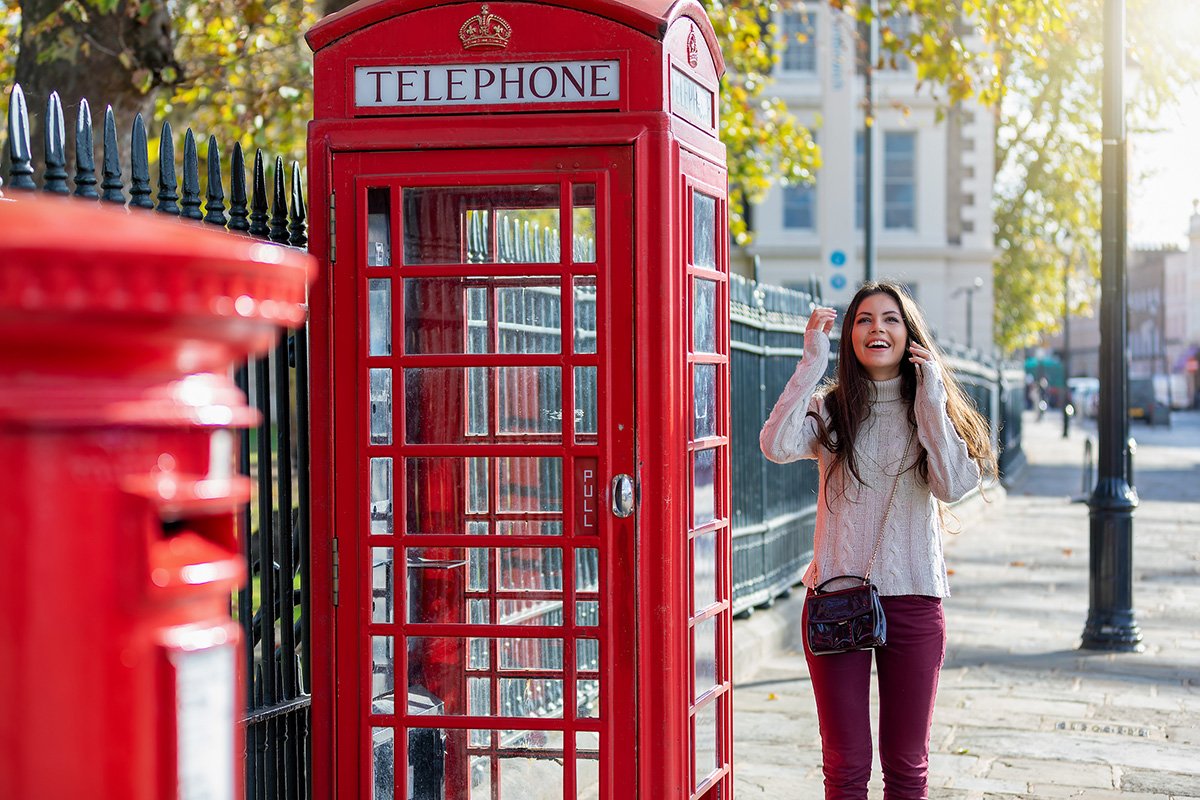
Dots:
(485, 30)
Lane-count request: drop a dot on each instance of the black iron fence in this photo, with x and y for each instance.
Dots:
(775, 505)
(273, 608)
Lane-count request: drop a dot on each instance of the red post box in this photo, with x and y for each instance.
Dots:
(521, 530)
(119, 673)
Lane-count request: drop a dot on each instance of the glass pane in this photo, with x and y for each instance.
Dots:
(587, 613)
(531, 697)
(479, 697)
(540, 778)
(439, 580)
(383, 763)
(704, 400)
(381, 496)
(383, 672)
(529, 403)
(531, 654)
(708, 760)
(587, 765)
(426, 762)
(704, 231)
(586, 418)
(379, 227)
(530, 400)
(530, 612)
(587, 655)
(587, 699)
(381, 405)
(585, 315)
(379, 316)
(527, 483)
(445, 664)
(587, 569)
(533, 569)
(583, 238)
(482, 315)
(704, 637)
(704, 317)
(529, 318)
(383, 588)
(703, 487)
(482, 224)
(481, 777)
(704, 575)
(529, 528)
(532, 740)
(442, 491)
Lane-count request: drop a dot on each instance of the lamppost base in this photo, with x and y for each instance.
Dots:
(1112, 634)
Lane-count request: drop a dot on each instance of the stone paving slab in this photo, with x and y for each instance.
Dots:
(1022, 712)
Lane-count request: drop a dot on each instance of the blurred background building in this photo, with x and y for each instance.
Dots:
(932, 184)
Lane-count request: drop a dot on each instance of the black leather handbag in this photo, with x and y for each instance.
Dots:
(841, 620)
(844, 620)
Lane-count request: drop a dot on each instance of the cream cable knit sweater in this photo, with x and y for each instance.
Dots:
(910, 557)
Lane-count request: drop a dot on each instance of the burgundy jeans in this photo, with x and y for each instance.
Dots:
(908, 668)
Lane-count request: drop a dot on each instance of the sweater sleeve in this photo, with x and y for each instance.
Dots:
(788, 434)
(952, 471)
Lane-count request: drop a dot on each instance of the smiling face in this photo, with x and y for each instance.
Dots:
(879, 336)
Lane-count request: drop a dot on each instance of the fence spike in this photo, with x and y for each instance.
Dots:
(258, 201)
(279, 206)
(112, 185)
(215, 207)
(167, 182)
(237, 191)
(20, 175)
(190, 202)
(139, 166)
(55, 136)
(85, 156)
(298, 226)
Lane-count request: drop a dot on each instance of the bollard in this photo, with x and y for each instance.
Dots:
(120, 673)
(1089, 465)
(1130, 452)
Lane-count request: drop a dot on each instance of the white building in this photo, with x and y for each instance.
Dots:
(932, 186)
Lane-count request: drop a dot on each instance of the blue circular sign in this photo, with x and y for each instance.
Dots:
(838, 281)
(837, 258)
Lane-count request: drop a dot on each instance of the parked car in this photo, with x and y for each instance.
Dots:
(1149, 400)
(1085, 395)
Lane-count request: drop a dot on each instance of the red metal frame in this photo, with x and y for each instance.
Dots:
(645, 161)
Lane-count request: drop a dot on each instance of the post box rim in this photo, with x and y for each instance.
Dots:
(106, 251)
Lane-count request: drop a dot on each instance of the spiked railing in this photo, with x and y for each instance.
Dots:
(274, 527)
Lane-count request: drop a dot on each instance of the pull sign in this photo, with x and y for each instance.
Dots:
(587, 501)
(622, 496)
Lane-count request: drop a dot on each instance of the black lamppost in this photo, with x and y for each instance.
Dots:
(870, 56)
(1066, 348)
(970, 291)
(1111, 624)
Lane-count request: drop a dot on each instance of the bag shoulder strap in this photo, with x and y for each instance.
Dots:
(888, 512)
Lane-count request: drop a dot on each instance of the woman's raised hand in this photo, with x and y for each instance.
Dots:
(919, 355)
(821, 319)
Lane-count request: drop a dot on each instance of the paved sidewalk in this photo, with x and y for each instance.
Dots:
(1021, 711)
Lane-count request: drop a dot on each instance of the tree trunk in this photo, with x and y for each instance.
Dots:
(115, 59)
(330, 6)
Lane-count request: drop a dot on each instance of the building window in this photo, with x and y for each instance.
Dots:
(799, 207)
(897, 29)
(899, 180)
(800, 42)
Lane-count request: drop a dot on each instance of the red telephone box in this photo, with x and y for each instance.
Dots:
(522, 530)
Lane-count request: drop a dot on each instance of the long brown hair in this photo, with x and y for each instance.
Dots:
(847, 398)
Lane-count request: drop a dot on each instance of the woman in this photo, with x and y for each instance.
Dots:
(891, 401)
